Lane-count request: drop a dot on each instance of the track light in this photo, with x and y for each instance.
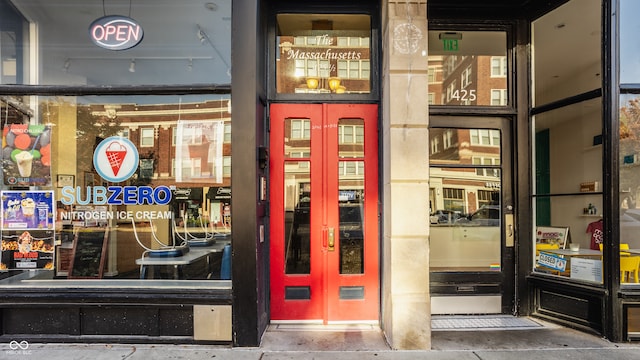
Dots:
(132, 66)
(66, 65)
(190, 65)
(201, 36)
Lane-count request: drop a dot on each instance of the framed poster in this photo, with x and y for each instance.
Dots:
(552, 235)
(88, 179)
(66, 180)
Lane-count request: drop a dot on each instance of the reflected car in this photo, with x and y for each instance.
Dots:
(487, 215)
(444, 216)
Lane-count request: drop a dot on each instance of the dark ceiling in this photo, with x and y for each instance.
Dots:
(496, 9)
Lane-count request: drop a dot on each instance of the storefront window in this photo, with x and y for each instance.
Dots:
(567, 151)
(629, 186)
(629, 48)
(323, 54)
(568, 191)
(566, 57)
(128, 185)
(629, 147)
(186, 42)
(468, 68)
(14, 40)
(80, 200)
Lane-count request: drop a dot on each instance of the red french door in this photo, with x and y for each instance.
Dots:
(323, 162)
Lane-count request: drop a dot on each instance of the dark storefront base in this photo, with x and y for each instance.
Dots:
(630, 301)
(105, 315)
(570, 304)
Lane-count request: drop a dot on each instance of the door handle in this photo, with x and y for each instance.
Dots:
(332, 239)
(509, 230)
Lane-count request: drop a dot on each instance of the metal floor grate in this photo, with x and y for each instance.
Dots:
(482, 322)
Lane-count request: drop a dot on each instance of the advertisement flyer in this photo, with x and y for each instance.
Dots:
(27, 249)
(28, 233)
(26, 155)
(24, 210)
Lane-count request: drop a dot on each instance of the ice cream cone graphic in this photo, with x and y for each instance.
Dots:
(116, 152)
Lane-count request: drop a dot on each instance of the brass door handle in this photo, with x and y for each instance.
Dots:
(332, 239)
(509, 230)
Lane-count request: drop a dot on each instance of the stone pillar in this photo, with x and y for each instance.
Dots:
(406, 304)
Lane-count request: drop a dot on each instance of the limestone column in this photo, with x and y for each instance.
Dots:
(406, 305)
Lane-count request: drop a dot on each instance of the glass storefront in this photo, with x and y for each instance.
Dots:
(629, 151)
(115, 185)
(567, 150)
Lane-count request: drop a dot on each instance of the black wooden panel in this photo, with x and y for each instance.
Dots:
(38, 320)
(176, 322)
(109, 320)
(564, 304)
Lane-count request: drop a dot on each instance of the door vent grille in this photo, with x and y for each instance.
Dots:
(351, 292)
(297, 293)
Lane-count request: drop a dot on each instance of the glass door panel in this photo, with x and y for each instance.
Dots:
(465, 231)
(471, 221)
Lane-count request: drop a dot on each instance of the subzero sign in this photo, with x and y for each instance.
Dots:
(115, 159)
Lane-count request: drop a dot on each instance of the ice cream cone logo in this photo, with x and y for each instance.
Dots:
(116, 159)
(116, 152)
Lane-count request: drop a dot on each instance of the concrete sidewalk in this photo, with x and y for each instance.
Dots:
(290, 343)
(195, 352)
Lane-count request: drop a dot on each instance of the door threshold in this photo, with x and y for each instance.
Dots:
(483, 322)
(343, 327)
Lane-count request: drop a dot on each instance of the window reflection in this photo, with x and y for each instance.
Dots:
(465, 199)
(323, 54)
(194, 47)
(630, 49)
(468, 68)
(629, 174)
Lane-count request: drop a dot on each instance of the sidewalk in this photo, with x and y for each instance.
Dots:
(548, 343)
(194, 352)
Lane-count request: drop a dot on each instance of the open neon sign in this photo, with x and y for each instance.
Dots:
(115, 32)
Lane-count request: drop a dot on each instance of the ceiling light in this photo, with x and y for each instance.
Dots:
(190, 65)
(211, 6)
(66, 65)
(132, 66)
(201, 36)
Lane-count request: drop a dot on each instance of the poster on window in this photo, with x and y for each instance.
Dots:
(26, 210)
(199, 154)
(26, 155)
(27, 249)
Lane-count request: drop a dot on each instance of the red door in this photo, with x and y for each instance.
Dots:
(324, 218)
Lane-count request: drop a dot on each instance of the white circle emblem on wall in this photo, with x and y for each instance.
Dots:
(406, 38)
(115, 159)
